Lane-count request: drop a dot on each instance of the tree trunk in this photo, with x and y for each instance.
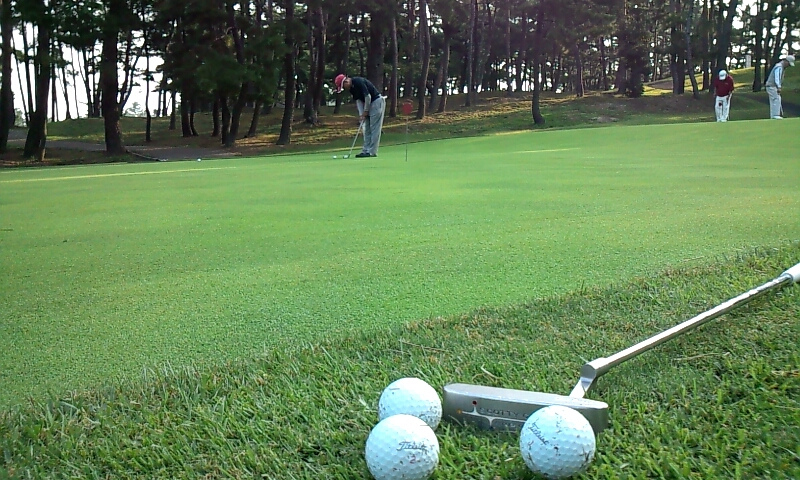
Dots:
(444, 67)
(473, 12)
(215, 122)
(538, 119)
(37, 131)
(231, 130)
(689, 60)
(251, 132)
(509, 59)
(320, 39)
(409, 44)
(288, 65)
(313, 52)
(344, 61)
(424, 56)
(225, 128)
(65, 85)
(705, 45)
(603, 64)
(192, 112)
(521, 53)
(725, 36)
(579, 87)
(7, 114)
(621, 80)
(186, 129)
(28, 76)
(236, 116)
(172, 112)
(109, 77)
(483, 46)
(149, 122)
(26, 117)
(375, 51)
(758, 53)
(393, 87)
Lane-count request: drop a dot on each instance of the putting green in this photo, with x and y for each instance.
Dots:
(108, 269)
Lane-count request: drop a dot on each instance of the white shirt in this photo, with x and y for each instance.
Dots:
(776, 76)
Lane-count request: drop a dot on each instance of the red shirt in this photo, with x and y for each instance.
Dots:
(723, 87)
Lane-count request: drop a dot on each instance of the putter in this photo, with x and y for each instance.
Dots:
(494, 408)
(361, 124)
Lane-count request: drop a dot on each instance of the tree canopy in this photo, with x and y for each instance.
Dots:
(225, 55)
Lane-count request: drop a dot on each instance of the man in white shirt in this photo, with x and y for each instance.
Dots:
(774, 85)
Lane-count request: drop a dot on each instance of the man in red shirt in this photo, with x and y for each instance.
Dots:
(723, 89)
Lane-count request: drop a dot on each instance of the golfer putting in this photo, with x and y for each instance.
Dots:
(774, 85)
(371, 107)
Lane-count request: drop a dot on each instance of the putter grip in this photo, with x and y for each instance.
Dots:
(794, 272)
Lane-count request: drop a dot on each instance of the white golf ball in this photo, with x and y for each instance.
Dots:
(198, 159)
(411, 396)
(402, 446)
(334, 156)
(557, 442)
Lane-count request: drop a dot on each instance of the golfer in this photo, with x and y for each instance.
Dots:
(774, 85)
(371, 106)
(723, 88)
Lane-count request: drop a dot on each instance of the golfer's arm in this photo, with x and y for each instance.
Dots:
(367, 101)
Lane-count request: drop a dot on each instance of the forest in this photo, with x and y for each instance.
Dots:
(238, 59)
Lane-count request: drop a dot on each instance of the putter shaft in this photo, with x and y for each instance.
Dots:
(494, 408)
(596, 368)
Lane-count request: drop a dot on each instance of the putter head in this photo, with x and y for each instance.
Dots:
(504, 409)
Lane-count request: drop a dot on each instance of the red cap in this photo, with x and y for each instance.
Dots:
(339, 81)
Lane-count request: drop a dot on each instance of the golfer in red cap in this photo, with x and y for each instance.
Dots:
(371, 106)
(723, 88)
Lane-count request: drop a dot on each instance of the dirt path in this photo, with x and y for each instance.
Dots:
(155, 153)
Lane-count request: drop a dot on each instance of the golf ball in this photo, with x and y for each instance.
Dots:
(334, 156)
(402, 446)
(411, 396)
(557, 442)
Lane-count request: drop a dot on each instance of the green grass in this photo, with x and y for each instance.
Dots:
(123, 266)
(240, 317)
(720, 402)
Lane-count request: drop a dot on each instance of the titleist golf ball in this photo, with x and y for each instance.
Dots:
(402, 446)
(411, 396)
(557, 442)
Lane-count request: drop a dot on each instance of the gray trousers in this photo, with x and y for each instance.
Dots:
(372, 124)
(775, 109)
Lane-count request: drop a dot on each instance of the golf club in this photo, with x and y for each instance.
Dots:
(361, 124)
(494, 408)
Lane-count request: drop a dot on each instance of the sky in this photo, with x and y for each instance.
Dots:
(138, 94)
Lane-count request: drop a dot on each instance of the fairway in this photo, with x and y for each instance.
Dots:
(109, 269)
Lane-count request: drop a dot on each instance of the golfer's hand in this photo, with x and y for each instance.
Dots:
(779, 90)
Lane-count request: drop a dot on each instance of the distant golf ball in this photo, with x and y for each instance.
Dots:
(334, 156)
(411, 396)
(557, 442)
(198, 159)
(402, 446)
